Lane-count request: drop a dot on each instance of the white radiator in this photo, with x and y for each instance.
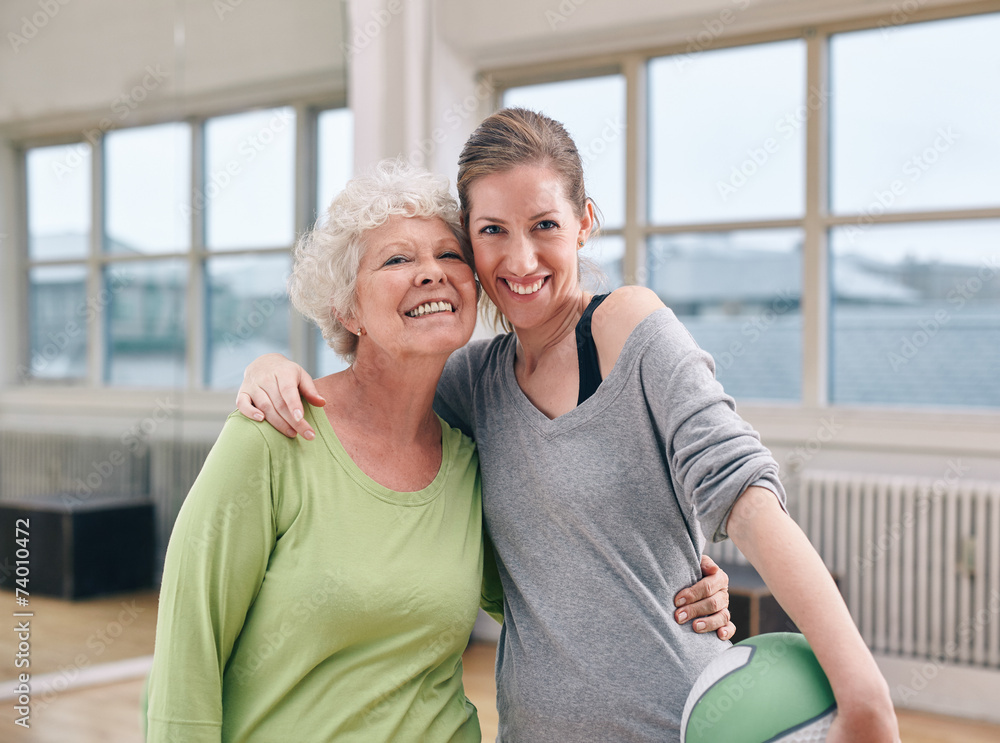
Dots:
(918, 560)
(83, 467)
(87, 467)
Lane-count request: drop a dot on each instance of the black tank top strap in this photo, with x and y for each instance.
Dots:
(586, 352)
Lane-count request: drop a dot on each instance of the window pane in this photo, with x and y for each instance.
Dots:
(916, 314)
(146, 323)
(248, 314)
(57, 320)
(335, 143)
(605, 253)
(249, 193)
(148, 185)
(915, 113)
(739, 294)
(593, 112)
(722, 146)
(59, 201)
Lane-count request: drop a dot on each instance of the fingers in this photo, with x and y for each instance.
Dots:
(244, 403)
(288, 409)
(309, 391)
(270, 391)
(709, 566)
(277, 415)
(727, 632)
(715, 581)
(706, 603)
(708, 615)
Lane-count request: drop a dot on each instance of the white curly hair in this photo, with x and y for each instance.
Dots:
(323, 283)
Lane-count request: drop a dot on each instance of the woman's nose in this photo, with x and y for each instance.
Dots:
(430, 272)
(521, 257)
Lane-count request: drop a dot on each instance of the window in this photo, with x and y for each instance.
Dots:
(723, 147)
(739, 293)
(726, 149)
(334, 135)
(59, 220)
(915, 304)
(181, 280)
(249, 207)
(863, 173)
(249, 193)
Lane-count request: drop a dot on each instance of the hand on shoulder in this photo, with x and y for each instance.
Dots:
(617, 317)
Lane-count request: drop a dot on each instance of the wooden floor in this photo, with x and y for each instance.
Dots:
(71, 641)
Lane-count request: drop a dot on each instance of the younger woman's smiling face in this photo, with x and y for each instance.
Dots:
(525, 236)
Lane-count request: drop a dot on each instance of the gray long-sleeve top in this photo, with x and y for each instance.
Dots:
(598, 518)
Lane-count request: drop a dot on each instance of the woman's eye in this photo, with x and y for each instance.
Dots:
(490, 229)
(547, 224)
(452, 254)
(395, 261)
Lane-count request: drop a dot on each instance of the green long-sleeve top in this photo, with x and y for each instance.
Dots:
(302, 601)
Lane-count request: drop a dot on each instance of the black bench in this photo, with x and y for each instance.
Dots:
(78, 547)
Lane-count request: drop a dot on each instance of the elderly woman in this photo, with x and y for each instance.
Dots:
(327, 592)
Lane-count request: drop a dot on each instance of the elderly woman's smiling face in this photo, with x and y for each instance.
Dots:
(416, 295)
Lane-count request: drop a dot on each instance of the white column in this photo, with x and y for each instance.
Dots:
(411, 95)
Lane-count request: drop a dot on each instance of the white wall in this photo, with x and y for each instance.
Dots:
(63, 58)
(528, 31)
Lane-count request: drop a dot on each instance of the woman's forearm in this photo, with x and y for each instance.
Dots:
(799, 580)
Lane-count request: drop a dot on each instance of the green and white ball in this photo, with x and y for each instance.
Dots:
(764, 689)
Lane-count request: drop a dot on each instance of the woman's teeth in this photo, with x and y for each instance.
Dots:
(525, 289)
(430, 308)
